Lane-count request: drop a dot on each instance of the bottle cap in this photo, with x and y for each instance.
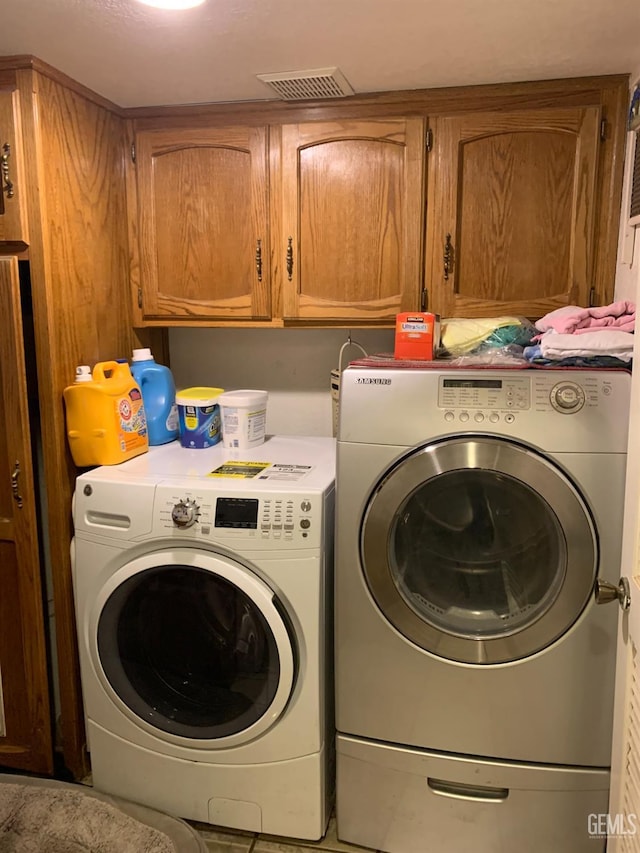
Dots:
(83, 373)
(142, 354)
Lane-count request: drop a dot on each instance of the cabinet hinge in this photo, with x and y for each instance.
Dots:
(592, 297)
(429, 139)
(139, 297)
(603, 129)
(133, 152)
(423, 300)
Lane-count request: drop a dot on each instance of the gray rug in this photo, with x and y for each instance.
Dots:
(44, 816)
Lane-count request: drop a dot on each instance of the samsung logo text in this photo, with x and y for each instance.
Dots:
(368, 380)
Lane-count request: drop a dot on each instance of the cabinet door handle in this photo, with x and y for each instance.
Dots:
(259, 259)
(7, 184)
(448, 257)
(14, 485)
(290, 258)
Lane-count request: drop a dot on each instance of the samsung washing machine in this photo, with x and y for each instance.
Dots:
(203, 582)
(479, 514)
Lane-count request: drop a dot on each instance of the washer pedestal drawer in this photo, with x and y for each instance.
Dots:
(395, 799)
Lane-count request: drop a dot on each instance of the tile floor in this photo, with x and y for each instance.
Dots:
(220, 840)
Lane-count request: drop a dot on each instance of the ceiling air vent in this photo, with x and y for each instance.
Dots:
(305, 85)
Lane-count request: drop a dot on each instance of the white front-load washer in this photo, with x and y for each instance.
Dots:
(478, 512)
(202, 583)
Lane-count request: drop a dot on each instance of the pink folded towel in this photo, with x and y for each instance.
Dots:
(575, 320)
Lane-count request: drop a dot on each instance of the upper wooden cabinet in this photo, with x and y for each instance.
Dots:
(347, 213)
(511, 211)
(13, 217)
(352, 208)
(203, 224)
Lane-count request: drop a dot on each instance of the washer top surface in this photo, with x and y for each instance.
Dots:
(282, 463)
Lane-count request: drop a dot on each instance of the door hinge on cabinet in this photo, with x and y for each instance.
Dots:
(133, 152)
(423, 300)
(429, 139)
(139, 297)
(603, 129)
(592, 297)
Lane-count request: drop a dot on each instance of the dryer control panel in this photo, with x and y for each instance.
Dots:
(504, 394)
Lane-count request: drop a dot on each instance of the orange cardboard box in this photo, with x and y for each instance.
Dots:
(417, 335)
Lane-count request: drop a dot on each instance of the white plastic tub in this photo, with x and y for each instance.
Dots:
(244, 418)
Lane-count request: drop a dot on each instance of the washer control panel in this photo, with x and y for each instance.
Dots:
(277, 518)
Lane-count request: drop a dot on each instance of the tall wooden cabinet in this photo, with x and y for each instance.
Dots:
(512, 206)
(67, 169)
(25, 707)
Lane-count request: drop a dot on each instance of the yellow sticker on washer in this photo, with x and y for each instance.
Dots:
(239, 470)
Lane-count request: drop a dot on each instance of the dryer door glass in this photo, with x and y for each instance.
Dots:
(189, 652)
(478, 549)
(477, 553)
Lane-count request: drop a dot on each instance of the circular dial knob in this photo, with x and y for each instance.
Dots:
(567, 397)
(185, 513)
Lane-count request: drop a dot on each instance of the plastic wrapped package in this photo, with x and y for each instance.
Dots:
(463, 336)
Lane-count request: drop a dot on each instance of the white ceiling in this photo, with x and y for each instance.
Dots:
(135, 55)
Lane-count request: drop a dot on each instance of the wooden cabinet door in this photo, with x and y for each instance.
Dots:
(352, 218)
(13, 220)
(25, 723)
(510, 212)
(203, 223)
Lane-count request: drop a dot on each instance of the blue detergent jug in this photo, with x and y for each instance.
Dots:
(158, 396)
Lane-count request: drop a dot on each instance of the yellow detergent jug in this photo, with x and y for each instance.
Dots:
(106, 422)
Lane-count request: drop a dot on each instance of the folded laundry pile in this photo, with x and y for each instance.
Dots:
(585, 337)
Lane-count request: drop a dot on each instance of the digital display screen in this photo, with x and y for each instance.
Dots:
(472, 383)
(237, 512)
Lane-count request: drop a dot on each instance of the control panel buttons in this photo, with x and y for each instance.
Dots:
(185, 513)
(478, 417)
(305, 523)
(305, 506)
(464, 417)
(567, 397)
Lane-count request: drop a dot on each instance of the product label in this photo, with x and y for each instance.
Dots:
(256, 424)
(131, 421)
(243, 470)
(172, 419)
(261, 470)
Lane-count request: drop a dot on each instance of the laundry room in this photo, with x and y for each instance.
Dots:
(322, 493)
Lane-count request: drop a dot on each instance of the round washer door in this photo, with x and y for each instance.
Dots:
(478, 549)
(194, 647)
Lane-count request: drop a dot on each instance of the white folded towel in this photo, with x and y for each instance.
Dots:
(601, 342)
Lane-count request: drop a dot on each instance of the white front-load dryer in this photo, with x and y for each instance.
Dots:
(202, 583)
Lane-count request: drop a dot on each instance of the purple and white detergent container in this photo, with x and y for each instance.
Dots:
(158, 396)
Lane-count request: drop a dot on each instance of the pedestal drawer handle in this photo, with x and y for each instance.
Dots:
(462, 791)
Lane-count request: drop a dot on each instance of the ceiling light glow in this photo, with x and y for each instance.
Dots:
(172, 4)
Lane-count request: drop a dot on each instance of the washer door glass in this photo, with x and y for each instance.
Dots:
(479, 550)
(192, 653)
